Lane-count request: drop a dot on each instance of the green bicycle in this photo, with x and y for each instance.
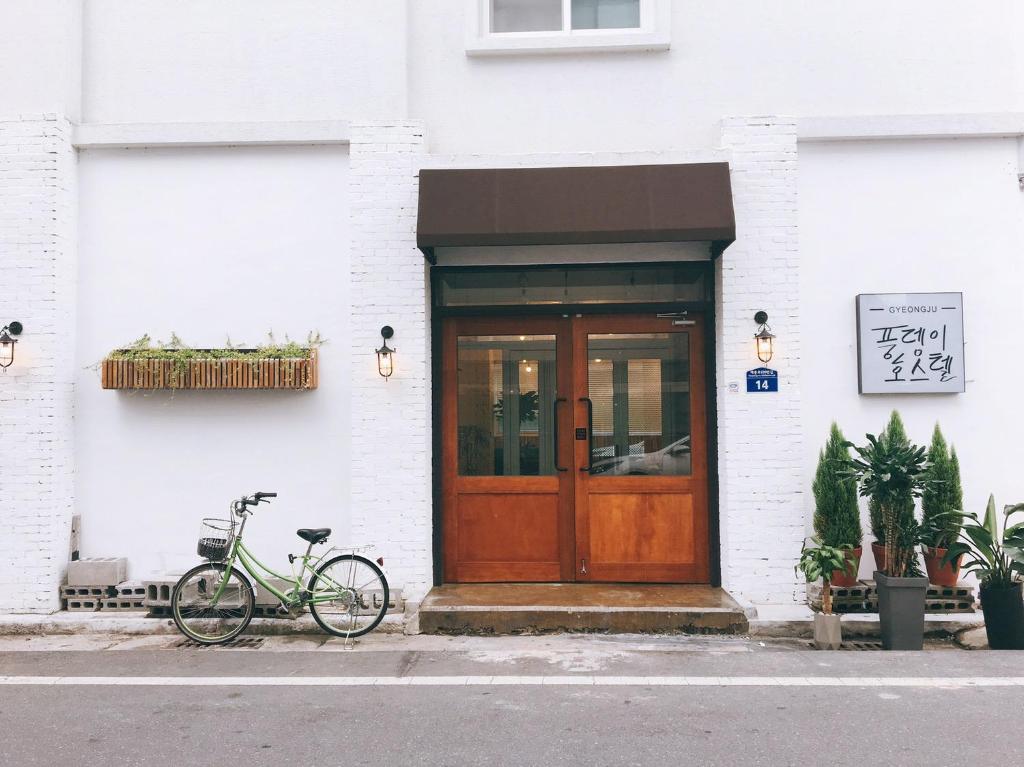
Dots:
(213, 602)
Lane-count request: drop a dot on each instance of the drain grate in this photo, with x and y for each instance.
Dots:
(241, 643)
(854, 646)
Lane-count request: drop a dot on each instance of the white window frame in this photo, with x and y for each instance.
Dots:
(653, 34)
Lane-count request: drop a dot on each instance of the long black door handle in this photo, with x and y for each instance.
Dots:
(590, 432)
(554, 418)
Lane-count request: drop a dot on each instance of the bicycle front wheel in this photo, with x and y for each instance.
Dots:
(212, 604)
(348, 596)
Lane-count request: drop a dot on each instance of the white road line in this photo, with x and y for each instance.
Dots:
(554, 681)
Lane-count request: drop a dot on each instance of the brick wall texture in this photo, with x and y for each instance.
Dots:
(760, 439)
(391, 503)
(37, 288)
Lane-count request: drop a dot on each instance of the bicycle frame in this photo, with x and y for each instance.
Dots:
(294, 597)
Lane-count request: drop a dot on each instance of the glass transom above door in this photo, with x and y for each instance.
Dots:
(613, 284)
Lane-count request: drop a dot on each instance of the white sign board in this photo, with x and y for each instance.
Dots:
(910, 343)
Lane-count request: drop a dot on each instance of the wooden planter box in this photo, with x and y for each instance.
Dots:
(214, 373)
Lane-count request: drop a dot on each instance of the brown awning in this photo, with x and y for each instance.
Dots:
(576, 206)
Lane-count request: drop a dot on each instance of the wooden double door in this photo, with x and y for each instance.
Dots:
(574, 449)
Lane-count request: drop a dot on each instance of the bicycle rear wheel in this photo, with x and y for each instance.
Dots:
(212, 604)
(349, 596)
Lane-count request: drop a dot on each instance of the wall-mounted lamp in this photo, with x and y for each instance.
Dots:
(763, 337)
(7, 344)
(385, 354)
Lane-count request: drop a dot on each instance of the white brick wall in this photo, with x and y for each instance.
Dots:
(760, 439)
(37, 287)
(391, 431)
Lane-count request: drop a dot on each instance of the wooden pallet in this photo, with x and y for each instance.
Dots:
(222, 373)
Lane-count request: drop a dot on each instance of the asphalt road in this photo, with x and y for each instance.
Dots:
(574, 700)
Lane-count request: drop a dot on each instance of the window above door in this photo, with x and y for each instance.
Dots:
(565, 26)
(559, 286)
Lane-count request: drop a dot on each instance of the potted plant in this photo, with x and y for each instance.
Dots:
(893, 473)
(175, 365)
(820, 561)
(998, 561)
(896, 434)
(941, 518)
(836, 514)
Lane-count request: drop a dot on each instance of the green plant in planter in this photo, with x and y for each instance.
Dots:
(997, 557)
(180, 355)
(998, 560)
(892, 472)
(820, 561)
(836, 514)
(943, 499)
(894, 434)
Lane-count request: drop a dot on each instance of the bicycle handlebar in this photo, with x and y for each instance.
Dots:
(242, 504)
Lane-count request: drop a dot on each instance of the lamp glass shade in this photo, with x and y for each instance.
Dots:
(6, 350)
(385, 361)
(764, 346)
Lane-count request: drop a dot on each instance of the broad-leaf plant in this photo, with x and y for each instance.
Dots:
(820, 561)
(998, 560)
(891, 473)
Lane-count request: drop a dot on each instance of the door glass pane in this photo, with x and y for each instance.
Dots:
(605, 14)
(526, 15)
(506, 400)
(640, 386)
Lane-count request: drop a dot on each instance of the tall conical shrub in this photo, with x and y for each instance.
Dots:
(944, 493)
(957, 496)
(836, 514)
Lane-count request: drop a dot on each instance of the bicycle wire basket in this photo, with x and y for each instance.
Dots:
(215, 539)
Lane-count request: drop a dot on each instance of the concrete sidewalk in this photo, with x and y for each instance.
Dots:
(772, 621)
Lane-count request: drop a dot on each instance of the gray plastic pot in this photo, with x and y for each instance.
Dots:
(901, 611)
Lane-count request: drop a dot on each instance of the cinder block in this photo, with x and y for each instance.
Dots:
(85, 572)
(863, 598)
(123, 604)
(87, 592)
(131, 589)
(265, 598)
(372, 600)
(265, 611)
(83, 605)
(158, 591)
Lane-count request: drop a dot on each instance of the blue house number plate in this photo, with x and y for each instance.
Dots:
(762, 379)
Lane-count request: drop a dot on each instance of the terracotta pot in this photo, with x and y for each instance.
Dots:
(938, 573)
(878, 549)
(841, 578)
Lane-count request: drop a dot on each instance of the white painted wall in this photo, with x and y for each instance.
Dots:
(40, 57)
(744, 57)
(916, 216)
(210, 242)
(235, 60)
